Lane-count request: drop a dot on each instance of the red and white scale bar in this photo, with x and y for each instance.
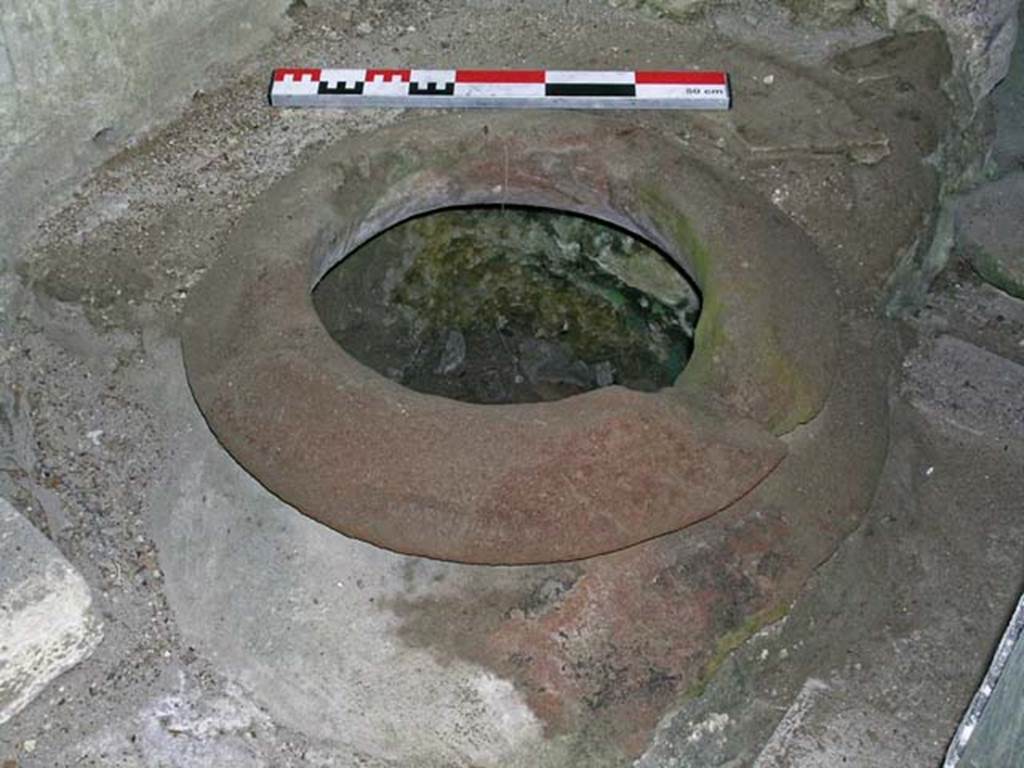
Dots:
(640, 89)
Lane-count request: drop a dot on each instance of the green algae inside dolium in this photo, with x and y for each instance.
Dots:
(509, 304)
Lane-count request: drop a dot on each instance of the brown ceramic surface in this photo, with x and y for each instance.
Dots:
(525, 483)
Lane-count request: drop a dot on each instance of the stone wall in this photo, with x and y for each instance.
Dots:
(79, 78)
(981, 34)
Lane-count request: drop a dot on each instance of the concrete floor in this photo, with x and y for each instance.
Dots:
(223, 610)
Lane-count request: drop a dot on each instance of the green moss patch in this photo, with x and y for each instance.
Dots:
(511, 305)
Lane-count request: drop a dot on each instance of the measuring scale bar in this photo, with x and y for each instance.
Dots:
(500, 88)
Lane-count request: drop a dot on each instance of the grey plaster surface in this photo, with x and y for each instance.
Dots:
(80, 80)
(297, 613)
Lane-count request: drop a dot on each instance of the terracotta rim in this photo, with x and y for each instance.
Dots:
(519, 483)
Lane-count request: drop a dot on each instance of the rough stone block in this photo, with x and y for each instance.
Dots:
(968, 387)
(980, 33)
(990, 232)
(1008, 100)
(46, 621)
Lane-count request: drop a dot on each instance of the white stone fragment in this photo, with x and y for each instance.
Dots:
(46, 621)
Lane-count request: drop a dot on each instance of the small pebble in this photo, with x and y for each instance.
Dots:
(604, 374)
